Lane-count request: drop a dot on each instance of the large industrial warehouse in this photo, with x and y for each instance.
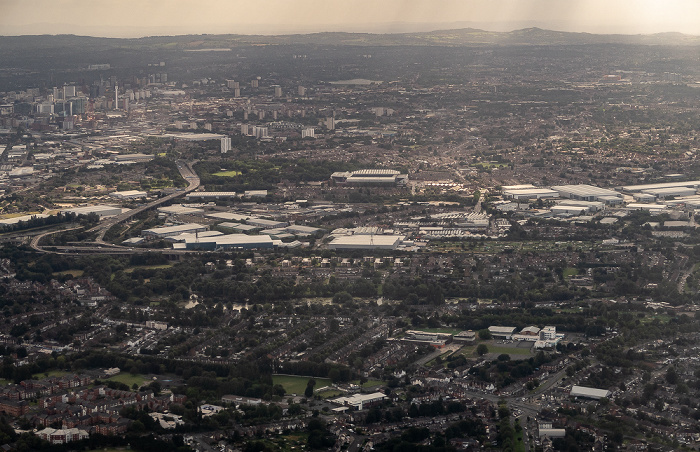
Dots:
(670, 192)
(366, 242)
(694, 184)
(168, 231)
(101, 211)
(226, 242)
(529, 193)
(585, 192)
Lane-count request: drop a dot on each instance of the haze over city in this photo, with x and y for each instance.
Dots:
(131, 18)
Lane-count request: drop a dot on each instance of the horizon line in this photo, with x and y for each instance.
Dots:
(386, 32)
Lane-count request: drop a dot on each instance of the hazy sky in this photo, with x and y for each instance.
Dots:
(133, 18)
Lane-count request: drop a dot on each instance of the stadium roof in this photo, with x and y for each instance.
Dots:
(375, 172)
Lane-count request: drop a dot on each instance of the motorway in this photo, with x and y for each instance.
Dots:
(99, 245)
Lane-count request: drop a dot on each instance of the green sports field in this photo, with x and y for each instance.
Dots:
(296, 385)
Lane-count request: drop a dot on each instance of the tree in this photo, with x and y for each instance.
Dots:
(342, 298)
(482, 349)
(484, 334)
(671, 376)
(137, 427)
(309, 391)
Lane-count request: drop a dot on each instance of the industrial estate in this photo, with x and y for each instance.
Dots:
(438, 242)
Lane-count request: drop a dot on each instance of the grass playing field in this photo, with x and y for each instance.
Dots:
(128, 379)
(227, 173)
(296, 385)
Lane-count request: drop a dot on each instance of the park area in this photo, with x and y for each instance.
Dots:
(293, 384)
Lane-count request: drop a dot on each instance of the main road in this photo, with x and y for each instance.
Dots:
(187, 173)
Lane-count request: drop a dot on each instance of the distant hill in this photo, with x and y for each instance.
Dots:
(457, 37)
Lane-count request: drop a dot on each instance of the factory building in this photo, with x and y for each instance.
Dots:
(168, 231)
(179, 210)
(529, 193)
(128, 194)
(670, 192)
(649, 207)
(239, 227)
(266, 224)
(298, 229)
(100, 210)
(226, 242)
(228, 216)
(644, 197)
(694, 184)
(585, 192)
(587, 206)
(180, 238)
(366, 242)
(690, 202)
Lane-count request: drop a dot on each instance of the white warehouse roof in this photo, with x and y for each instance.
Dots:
(583, 191)
(179, 210)
(645, 187)
(366, 242)
(528, 193)
(101, 210)
(502, 329)
(591, 393)
(128, 194)
(635, 206)
(229, 216)
(358, 400)
(670, 191)
(174, 230)
(516, 187)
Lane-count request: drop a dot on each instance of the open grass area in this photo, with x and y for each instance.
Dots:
(509, 350)
(7, 216)
(52, 373)
(128, 379)
(147, 267)
(569, 272)
(442, 356)
(662, 318)
(329, 393)
(467, 350)
(518, 443)
(293, 384)
(231, 173)
(74, 273)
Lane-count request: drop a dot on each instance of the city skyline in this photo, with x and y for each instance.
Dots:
(134, 19)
